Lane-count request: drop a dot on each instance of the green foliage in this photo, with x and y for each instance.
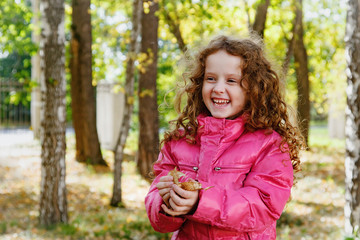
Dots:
(15, 68)
(16, 48)
(324, 24)
(15, 27)
(324, 39)
(111, 23)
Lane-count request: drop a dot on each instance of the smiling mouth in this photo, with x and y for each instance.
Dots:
(220, 102)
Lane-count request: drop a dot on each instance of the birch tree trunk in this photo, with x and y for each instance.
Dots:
(352, 128)
(53, 204)
(129, 103)
(82, 90)
(35, 73)
(148, 108)
(302, 75)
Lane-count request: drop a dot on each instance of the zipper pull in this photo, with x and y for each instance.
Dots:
(195, 168)
(217, 168)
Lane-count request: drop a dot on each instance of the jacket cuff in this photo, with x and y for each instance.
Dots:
(165, 223)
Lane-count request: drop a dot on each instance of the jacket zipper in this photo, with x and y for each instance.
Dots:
(227, 167)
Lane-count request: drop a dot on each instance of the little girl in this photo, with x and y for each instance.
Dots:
(233, 135)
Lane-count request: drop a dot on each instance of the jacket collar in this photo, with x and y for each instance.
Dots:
(229, 130)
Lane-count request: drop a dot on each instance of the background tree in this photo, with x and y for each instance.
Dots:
(35, 72)
(290, 47)
(302, 73)
(260, 18)
(53, 204)
(129, 102)
(172, 20)
(352, 161)
(148, 108)
(82, 90)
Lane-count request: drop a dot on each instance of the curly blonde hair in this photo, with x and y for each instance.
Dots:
(265, 107)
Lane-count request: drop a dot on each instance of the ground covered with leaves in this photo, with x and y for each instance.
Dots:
(315, 211)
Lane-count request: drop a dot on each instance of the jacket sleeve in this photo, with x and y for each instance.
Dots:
(258, 203)
(159, 221)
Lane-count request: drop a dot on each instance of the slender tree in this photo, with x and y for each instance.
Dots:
(260, 17)
(174, 24)
(302, 74)
(35, 73)
(290, 46)
(352, 129)
(53, 204)
(129, 102)
(148, 108)
(82, 91)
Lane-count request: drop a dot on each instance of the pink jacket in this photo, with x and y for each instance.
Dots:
(252, 179)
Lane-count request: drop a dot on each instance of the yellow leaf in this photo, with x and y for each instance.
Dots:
(118, 88)
(146, 6)
(129, 219)
(146, 92)
(130, 100)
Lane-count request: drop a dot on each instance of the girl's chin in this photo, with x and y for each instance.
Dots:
(225, 115)
(217, 115)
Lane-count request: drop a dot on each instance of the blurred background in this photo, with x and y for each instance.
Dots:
(121, 63)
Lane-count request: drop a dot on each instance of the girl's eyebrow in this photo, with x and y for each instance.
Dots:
(235, 75)
(207, 71)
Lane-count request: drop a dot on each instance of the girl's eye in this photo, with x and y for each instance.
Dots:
(232, 81)
(210, 79)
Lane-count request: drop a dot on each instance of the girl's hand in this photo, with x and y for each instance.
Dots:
(164, 186)
(181, 201)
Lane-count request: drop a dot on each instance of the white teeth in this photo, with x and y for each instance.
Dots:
(221, 101)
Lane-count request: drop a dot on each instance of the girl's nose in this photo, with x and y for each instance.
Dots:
(219, 88)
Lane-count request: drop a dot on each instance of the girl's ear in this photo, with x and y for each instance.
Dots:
(244, 84)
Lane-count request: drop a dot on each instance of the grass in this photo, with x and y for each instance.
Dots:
(318, 138)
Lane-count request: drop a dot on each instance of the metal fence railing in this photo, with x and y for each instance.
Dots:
(14, 104)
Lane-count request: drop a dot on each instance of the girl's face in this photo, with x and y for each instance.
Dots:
(221, 91)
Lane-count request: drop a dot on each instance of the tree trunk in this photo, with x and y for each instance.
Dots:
(76, 100)
(82, 90)
(148, 108)
(129, 103)
(352, 129)
(53, 204)
(260, 17)
(290, 50)
(302, 75)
